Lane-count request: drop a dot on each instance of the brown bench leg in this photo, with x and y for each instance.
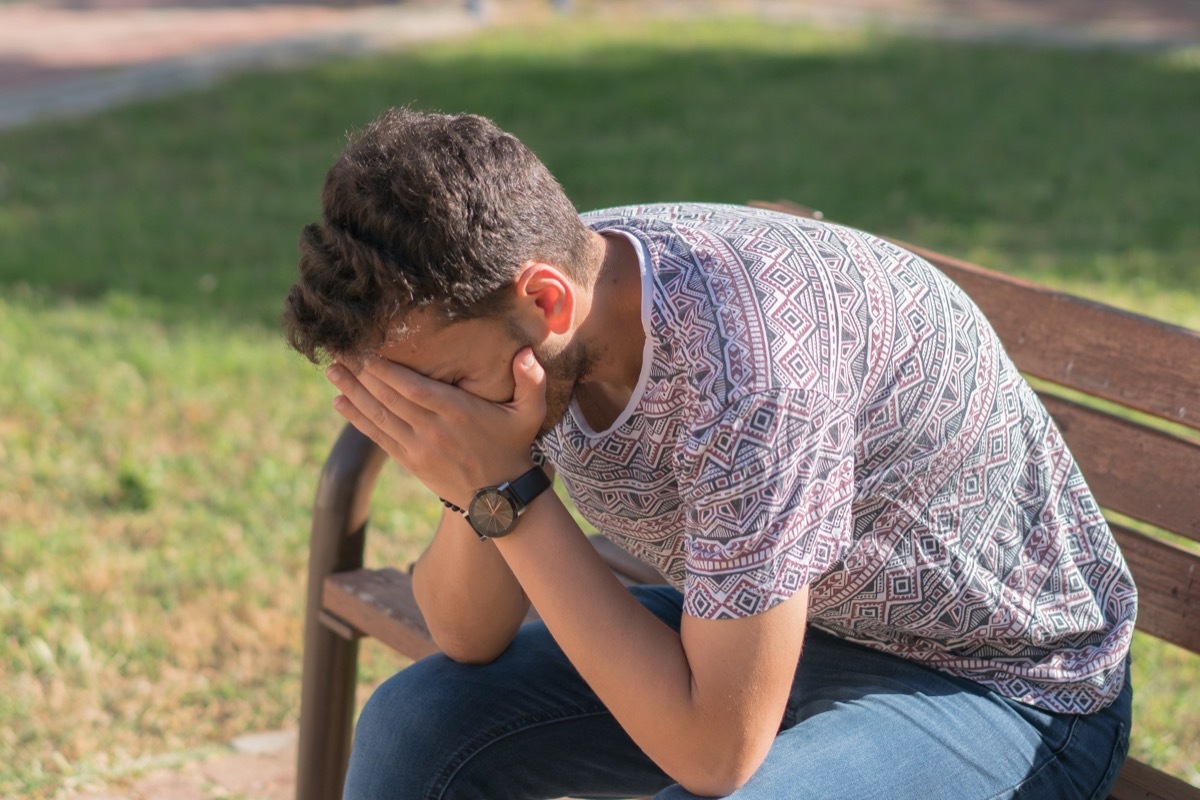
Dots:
(330, 661)
(326, 714)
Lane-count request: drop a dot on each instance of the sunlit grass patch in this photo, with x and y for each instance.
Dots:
(159, 447)
(1166, 707)
(155, 523)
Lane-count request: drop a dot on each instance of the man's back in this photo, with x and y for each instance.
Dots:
(819, 406)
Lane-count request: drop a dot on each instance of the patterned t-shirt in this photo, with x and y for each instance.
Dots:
(818, 407)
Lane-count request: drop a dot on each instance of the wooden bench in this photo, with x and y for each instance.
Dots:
(1108, 377)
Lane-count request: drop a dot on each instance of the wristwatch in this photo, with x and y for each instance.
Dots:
(494, 510)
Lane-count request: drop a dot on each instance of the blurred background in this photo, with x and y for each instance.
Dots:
(159, 445)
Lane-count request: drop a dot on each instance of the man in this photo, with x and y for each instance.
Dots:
(887, 576)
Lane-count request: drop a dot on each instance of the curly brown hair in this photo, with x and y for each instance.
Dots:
(424, 210)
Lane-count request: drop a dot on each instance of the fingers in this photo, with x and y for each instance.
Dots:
(530, 378)
(372, 416)
(400, 387)
(427, 426)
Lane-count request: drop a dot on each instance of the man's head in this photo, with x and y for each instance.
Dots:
(425, 211)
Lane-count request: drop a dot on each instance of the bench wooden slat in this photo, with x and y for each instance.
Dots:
(1140, 472)
(1132, 360)
(1127, 358)
(1168, 582)
(380, 602)
(1139, 781)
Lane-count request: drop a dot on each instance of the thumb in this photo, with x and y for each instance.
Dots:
(530, 379)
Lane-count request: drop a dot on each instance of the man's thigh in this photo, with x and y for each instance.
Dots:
(524, 726)
(862, 725)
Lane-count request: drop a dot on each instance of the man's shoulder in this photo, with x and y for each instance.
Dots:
(685, 230)
(677, 214)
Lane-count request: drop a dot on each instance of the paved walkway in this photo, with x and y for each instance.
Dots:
(63, 57)
(254, 767)
(74, 57)
(58, 59)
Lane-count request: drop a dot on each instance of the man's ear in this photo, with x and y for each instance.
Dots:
(547, 289)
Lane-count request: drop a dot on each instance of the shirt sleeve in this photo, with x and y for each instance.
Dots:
(767, 490)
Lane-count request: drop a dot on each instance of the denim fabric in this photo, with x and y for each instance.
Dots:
(858, 725)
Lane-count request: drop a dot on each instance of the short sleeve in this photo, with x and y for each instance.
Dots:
(767, 491)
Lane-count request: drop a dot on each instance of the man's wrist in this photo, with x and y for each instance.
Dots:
(495, 509)
(503, 475)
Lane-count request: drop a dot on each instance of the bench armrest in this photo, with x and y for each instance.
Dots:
(337, 543)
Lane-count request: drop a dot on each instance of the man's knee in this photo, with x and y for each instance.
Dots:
(407, 732)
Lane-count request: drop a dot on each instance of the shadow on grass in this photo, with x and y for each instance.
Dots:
(1067, 166)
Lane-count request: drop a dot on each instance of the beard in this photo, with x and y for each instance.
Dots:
(565, 368)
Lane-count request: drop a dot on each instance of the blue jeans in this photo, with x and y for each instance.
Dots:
(859, 725)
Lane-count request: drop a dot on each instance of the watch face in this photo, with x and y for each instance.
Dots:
(492, 513)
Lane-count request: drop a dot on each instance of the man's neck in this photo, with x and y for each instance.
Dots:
(613, 335)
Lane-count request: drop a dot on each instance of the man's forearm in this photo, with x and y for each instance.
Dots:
(707, 730)
(471, 601)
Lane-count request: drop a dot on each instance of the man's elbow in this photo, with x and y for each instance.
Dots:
(477, 644)
(722, 775)
(717, 783)
(471, 651)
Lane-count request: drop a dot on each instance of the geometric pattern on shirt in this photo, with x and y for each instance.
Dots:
(824, 409)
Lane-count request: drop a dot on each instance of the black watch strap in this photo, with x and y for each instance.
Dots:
(527, 487)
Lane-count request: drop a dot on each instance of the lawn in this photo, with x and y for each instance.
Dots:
(159, 446)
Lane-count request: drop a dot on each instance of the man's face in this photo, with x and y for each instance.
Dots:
(476, 355)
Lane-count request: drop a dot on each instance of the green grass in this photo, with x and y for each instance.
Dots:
(159, 446)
